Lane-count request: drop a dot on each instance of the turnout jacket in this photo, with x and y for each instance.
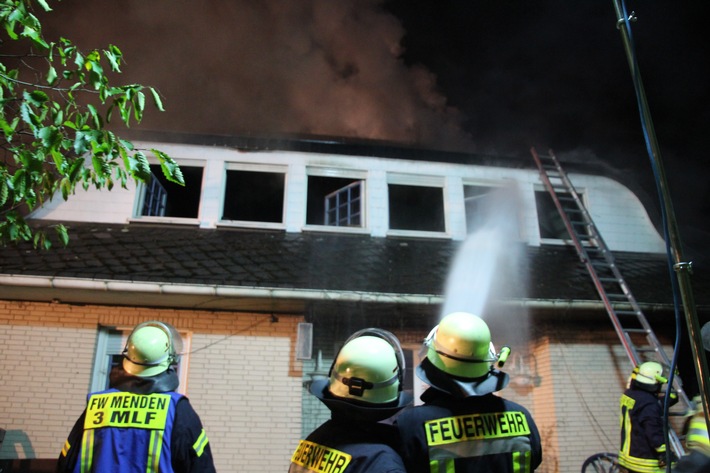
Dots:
(642, 438)
(473, 434)
(139, 425)
(347, 445)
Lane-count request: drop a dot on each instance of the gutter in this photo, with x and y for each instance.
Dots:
(240, 292)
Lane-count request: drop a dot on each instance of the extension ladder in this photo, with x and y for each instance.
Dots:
(630, 323)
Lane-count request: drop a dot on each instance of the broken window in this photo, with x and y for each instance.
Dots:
(162, 198)
(335, 201)
(548, 217)
(416, 208)
(254, 196)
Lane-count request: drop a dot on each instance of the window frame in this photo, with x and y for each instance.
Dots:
(416, 180)
(343, 173)
(553, 241)
(254, 167)
(143, 187)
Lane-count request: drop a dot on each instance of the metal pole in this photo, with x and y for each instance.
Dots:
(681, 267)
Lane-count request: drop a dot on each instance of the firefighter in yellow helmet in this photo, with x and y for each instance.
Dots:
(698, 443)
(643, 447)
(364, 387)
(462, 425)
(160, 431)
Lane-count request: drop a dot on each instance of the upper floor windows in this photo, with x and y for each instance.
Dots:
(335, 198)
(477, 202)
(550, 222)
(254, 195)
(416, 203)
(162, 198)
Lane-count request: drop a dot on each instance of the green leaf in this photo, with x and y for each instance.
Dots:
(44, 5)
(52, 76)
(66, 188)
(142, 167)
(4, 191)
(49, 136)
(59, 161)
(62, 233)
(156, 99)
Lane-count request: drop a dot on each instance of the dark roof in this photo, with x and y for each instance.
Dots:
(314, 261)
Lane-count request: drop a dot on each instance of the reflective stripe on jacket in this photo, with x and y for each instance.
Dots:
(642, 438)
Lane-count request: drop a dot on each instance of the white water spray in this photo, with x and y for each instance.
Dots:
(489, 253)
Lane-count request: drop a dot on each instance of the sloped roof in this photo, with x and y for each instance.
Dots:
(324, 262)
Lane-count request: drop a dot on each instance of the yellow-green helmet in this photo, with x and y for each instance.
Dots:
(649, 373)
(461, 346)
(151, 348)
(367, 369)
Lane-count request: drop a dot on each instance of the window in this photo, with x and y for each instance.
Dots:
(477, 205)
(414, 207)
(109, 348)
(254, 196)
(335, 198)
(335, 201)
(162, 198)
(548, 217)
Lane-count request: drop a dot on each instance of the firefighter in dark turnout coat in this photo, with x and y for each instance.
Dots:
(364, 386)
(462, 426)
(140, 424)
(643, 445)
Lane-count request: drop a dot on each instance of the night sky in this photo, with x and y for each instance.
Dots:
(555, 74)
(481, 76)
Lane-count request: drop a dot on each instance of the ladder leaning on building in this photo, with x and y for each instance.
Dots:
(631, 325)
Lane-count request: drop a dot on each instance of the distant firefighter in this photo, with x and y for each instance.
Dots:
(462, 426)
(140, 424)
(364, 386)
(698, 442)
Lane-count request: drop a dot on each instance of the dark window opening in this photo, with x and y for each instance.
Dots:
(334, 201)
(416, 208)
(548, 218)
(167, 199)
(254, 196)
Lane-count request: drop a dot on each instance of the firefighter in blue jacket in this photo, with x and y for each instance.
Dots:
(462, 426)
(643, 445)
(140, 424)
(364, 386)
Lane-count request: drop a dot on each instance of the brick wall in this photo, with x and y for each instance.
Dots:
(243, 379)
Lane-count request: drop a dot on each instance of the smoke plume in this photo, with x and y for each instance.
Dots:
(266, 67)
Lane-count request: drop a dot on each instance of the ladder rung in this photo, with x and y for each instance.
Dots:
(635, 330)
(647, 349)
(626, 312)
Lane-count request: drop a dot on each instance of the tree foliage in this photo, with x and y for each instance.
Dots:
(55, 106)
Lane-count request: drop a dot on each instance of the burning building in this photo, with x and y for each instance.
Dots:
(277, 249)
